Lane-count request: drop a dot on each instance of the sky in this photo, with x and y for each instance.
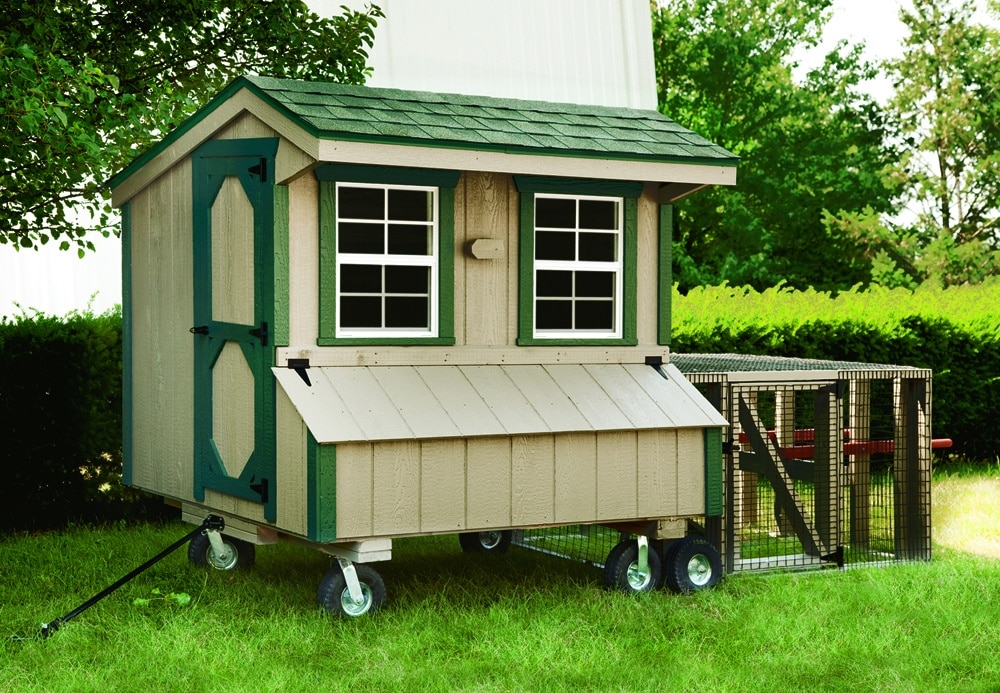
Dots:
(56, 282)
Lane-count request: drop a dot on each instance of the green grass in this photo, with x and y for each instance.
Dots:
(523, 621)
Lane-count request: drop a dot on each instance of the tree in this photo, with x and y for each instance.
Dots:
(89, 85)
(724, 69)
(947, 103)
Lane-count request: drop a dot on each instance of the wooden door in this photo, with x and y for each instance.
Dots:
(233, 201)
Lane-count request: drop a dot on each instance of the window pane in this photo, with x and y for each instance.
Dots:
(360, 238)
(360, 203)
(361, 279)
(598, 214)
(595, 315)
(555, 245)
(597, 247)
(360, 311)
(553, 283)
(409, 240)
(408, 311)
(410, 205)
(555, 213)
(595, 284)
(407, 280)
(554, 315)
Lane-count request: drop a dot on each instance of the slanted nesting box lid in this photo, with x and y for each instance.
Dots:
(329, 122)
(368, 403)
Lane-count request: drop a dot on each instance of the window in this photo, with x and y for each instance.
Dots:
(578, 266)
(578, 261)
(387, 260)
(386, 255)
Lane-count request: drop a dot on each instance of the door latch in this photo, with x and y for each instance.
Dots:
(200, 329)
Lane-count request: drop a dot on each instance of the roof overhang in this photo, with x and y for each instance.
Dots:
(302, 148)
(344, 404)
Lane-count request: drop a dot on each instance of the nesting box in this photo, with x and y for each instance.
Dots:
(355, 314)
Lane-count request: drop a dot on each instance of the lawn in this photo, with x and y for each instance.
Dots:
(523, 621)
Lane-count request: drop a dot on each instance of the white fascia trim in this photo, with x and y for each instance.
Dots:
(523, 164)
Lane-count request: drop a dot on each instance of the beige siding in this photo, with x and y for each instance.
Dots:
(303, 251)
(647, 273)
(575, 476)
(453, 485)
(291, 439)
(488, 482)
(442, 487)
(396, 472)
(486, 313)
(355, 491)
(691, 473)
(162, 350)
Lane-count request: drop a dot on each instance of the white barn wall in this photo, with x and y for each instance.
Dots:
(57, 282)
(577, 51)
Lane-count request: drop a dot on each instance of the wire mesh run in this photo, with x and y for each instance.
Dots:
(588, 544)
(825, 468)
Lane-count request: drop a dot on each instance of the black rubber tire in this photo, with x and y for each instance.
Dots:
(620, 569)
(691, 564)
(334, 597)
(242, 556)
(496, 541)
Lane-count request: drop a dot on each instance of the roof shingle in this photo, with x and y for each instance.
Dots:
(334, 111)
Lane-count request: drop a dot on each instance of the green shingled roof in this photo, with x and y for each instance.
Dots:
(339, 111)
(365, 114)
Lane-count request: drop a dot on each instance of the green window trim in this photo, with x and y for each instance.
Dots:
(282, 301)
(445, 181)
(528, 186)
(665, 277)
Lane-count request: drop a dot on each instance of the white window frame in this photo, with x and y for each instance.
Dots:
(385, 259)
(617, 266)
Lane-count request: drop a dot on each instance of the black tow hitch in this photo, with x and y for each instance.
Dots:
(212, 522)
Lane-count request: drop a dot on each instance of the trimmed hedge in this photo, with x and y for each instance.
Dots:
(955, 332)
(61, 421)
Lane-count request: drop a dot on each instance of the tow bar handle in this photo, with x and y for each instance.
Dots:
(212, 522)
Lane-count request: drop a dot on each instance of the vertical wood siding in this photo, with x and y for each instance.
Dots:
(454, 485)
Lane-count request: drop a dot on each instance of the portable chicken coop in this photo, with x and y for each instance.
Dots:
(356, 314)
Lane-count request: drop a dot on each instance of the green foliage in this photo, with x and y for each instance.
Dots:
(946, 110)
(180, 599)
(724, 69)
(88, 86)
(61, 420)
(955, 332)
(947, 101)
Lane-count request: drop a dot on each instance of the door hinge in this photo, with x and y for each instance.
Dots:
(260, 489)
(260, 333)
(260, 170)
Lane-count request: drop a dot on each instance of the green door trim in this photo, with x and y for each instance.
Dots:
(211, 164)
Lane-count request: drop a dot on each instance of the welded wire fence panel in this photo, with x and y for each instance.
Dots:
(585, 543)
(823, 472)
